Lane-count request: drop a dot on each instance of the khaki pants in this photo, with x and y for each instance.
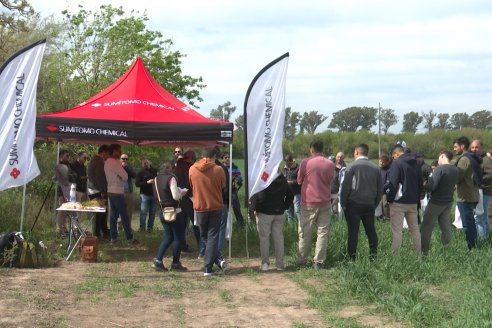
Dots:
(129, 199)
(312, 217)
(271, 223)
(398, 213)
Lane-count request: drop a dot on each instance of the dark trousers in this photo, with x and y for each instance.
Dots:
(189, 215)
(354, 214)
(236, 207)
(468, 221)
(209, 223)
(174, 233)
(100, 222)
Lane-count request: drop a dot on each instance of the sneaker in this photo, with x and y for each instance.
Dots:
(159, 266)
(264, 267)
(208, 272)
(223, 265)
(133, 242)
(200, 256)
(178, 267)
(317, 266)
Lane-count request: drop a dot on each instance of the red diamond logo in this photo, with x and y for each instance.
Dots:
(15, 173)
(265, 176)
(52, 128)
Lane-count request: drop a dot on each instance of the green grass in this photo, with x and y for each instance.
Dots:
(451, 287)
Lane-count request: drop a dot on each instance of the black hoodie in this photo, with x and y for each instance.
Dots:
(406, 171)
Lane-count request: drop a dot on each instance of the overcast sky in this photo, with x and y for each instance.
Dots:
(407, 55)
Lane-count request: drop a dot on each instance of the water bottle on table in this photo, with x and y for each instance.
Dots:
(73, 193)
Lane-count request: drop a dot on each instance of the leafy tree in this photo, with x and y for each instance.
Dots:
(481, 119)
(223, 112)
(292, 120)
(96, 49)
(16, 15)
(459, 121)
(310, 121)
(240, 123)
(387, 118)
(16, 27)
(428, 119)
(411, 121)
(350, 119)
(442, 121)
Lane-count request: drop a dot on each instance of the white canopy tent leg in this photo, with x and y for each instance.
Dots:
(229, 214)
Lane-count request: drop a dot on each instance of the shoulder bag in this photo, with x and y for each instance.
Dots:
(168, 212)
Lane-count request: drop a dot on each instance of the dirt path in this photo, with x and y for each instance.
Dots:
(132, 294)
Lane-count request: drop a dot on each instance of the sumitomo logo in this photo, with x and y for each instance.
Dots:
(90, 131)
(132, 102)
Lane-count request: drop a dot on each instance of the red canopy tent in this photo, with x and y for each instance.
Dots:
(133, 110)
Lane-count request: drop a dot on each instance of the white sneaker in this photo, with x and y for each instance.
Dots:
(264, 267)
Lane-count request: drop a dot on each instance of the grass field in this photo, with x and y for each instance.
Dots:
(451, 287)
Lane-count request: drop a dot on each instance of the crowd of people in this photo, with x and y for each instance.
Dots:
(402, 189)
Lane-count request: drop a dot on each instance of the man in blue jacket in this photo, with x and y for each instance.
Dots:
(403, 192)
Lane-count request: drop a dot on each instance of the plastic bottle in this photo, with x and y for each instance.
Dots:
(73, 193)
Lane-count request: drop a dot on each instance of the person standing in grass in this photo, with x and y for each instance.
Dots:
(116, 177)
(207, 180)
(440, 185)
(481, 216)
(360, 193)
(269, 206)
(315, 177)
(290, 171)
(144, 180)
(166, 191)
(403, 193)
(469, 180)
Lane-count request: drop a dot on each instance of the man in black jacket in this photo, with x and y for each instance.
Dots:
(290, 171)
(360, 193)
(144, 180)
(403, 193)
(269, 206)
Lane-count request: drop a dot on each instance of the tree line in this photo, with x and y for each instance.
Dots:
(354, 119)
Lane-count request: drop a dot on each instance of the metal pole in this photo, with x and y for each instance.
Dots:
(229, 214)
(23, 207)
(379, 126)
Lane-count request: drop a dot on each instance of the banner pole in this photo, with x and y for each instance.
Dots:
(23, 207)
(229, 214)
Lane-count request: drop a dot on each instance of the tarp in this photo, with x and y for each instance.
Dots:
(133, 110)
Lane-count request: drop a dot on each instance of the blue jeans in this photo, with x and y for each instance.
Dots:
(147, 205)
(295, 208)
(174, 233)
(118, 209)
(209, 232)
(468, 221)
(482, 220)
(222, 233)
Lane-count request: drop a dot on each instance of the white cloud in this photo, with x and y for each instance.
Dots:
(415, 55)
